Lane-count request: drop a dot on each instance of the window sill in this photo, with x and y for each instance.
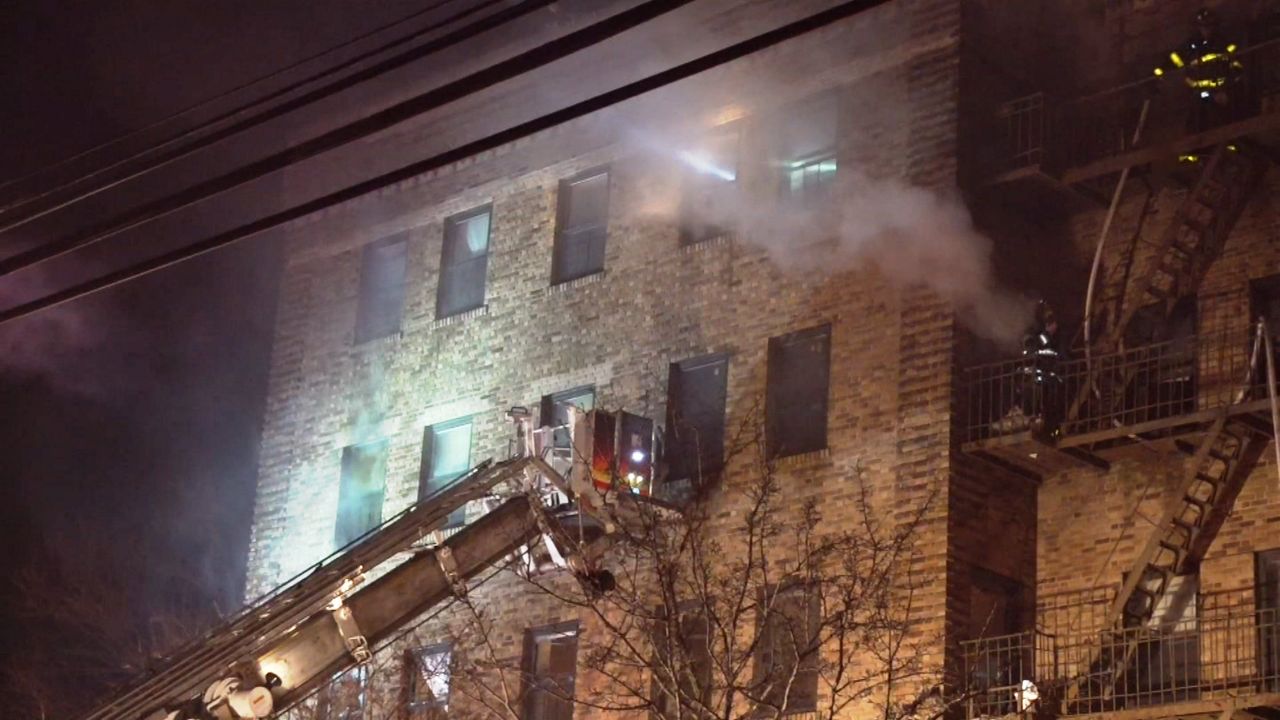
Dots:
(460, 317)
(578, 282)
(807, 459)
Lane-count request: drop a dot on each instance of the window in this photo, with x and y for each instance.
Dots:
(345, 697)
(1167, 666)
(581, 227)
(682, 671)
(786, 662)
(1267, 579)
(428, 682)
(555, 411)
(364, 474)
(811, 179)
(707, 206)
(446, 456)
(808, 141)
(550, 664)
(381, 300)
(796, 400)
(696, 391)
(463, 263)
(1264, 301)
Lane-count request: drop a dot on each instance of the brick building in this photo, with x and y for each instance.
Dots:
(580, 266)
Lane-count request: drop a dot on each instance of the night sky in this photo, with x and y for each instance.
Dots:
(129, 422)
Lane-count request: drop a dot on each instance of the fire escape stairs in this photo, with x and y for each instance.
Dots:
(1187, 247)
(1222, 461)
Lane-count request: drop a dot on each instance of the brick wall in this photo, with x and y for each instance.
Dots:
(655, 303)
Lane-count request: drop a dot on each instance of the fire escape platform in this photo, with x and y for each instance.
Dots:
(1031, 456)
(1241, 706)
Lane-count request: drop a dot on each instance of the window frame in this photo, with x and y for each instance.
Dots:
(531, 686)
(443, 284)
(701, 187)
(564, 207)
(546, 412)
(775, 406)
(369, 324)
(766, 646)
(414, 665)
(707, 474)
(689, 612)
(342, 534)
(425, 492)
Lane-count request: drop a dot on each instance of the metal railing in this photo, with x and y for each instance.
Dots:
(1056, 134)
(1227, 653)
(1144, 385)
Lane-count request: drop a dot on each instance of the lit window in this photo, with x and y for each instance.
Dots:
(811, 179)
(581, 227)
(446, 456)
(463, 263)
(364, 473)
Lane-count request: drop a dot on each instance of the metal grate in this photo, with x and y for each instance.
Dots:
(1152, 385)
(1227, 653)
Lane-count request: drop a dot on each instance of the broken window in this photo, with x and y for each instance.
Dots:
(681, 673)
(796, 398)
(581, 227)
(555, 412)
(787, 650)
(463, 263)
(550, 666)
(446, 456)
(709, 203)
(696, 392)
(381, 301)
(428, 681)
(345, 697)
(364, 473)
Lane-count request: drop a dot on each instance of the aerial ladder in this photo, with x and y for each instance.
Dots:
(331, 618)
(1230, 446)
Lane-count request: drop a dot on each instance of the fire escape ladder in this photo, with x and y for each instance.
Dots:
(1190, 243)
(1217, 470)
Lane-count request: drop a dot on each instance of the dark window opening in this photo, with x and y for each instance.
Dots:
(1166, 667)
(708, 205)
(381, 301)
(1267, 578)
(681, 675)
(997, 611)
(555, 412)
(796, 400)
(787, 651)
(550, 667)
(581, 227)
(1264, 301)
(696, 394)
(446, 456)
(364, 474)
(464, 262)
(427, 686)
(1162, 361)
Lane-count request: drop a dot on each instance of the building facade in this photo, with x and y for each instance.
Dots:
(710, 245)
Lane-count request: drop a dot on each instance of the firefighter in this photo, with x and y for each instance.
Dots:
(1210, 71)
(1042, 382)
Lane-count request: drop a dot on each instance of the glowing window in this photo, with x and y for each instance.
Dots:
(446, 456)
(428, 669)
(464, 263)
(582, 227)
(364, 473)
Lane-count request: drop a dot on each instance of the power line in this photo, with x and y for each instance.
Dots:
(485, 24)
(381, 120)
(572, 112)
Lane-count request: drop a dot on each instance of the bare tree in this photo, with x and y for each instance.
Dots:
(744, 604)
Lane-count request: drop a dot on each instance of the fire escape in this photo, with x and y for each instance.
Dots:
(1205, 395)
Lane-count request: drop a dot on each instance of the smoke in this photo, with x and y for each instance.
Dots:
(52, 343)
(914, 236)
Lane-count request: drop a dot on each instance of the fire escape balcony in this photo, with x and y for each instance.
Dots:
(1224, 662)
(1068, 151)
(1017, 415)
